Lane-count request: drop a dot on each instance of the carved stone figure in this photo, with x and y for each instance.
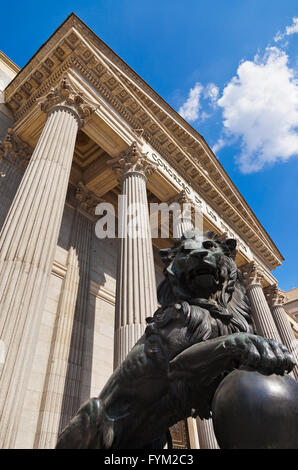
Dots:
(201, 332)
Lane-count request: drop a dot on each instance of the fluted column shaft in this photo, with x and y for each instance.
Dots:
(183, 225)
(261, 313)
(27, 244)
(275, 300)
(182, 213)
(136, 286)
(286, 333)
(206, 434)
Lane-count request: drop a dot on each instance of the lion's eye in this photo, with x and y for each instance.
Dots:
(208, 244)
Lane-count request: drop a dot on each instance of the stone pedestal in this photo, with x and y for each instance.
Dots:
(27, 244)
(136, 286)
(275, 300)
(261, 313)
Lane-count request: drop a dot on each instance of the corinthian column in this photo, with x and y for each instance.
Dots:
(275, 300)
(182, 214)
(27, 244)
(261, 313)
(136, 286)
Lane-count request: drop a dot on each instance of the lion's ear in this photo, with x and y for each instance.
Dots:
(231, 244)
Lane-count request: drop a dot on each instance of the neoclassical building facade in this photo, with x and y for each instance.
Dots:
(78, 127)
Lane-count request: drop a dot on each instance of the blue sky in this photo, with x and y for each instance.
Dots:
(228, 66)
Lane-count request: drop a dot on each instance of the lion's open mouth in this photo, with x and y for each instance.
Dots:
(202, 279)
(203, 269)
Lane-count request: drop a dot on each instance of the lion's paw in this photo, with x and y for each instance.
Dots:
(262, 354)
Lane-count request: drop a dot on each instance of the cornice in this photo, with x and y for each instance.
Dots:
(9, 63)
(74, 45)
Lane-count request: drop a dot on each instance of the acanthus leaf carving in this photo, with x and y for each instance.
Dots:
(253, 274)
(132, 160)
(65, 94)
(274, 295)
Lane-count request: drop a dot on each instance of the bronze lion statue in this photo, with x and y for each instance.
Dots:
(202, 331)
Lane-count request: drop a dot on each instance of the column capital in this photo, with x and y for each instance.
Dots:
(181, 198)
(183, 205)
(86, 200)
(132, 161)
(13, 149)
(274, 295)
(253, 274)
(66, 95)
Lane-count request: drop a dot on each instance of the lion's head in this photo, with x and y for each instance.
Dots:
(200, 269)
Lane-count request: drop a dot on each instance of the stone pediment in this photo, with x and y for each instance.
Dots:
(74, 46)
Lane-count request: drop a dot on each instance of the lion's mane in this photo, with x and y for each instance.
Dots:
(228, 309)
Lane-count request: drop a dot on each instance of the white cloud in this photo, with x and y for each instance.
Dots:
(278, 37)
(204, 116)
(260, 106)
(219, 145)
(211, 91)
(292, 29)
(190, 109)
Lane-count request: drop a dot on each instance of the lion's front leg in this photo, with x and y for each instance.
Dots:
(262, 354)
(207, 360)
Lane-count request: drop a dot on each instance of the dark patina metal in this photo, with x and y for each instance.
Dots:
(201, 333)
